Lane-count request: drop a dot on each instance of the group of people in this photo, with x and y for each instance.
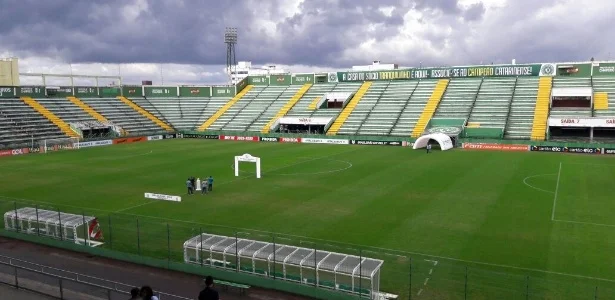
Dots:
(205, 185)
(146, 292)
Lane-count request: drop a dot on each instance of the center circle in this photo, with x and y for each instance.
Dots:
(344, 165)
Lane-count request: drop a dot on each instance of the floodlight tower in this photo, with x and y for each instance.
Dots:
(230, 39)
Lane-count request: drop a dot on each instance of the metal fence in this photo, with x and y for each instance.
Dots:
(63, 284)
(408, 275)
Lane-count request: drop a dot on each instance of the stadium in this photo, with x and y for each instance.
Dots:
(347, 195)
(481, 181)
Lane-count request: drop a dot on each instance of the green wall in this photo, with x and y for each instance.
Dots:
(160, 91)
(302, 79)
(86, 92)
(223, 91)
(194, 91)
(132, 91)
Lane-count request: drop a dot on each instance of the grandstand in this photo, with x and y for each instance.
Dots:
(504, 101)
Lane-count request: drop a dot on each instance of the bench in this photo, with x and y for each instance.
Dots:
(226, 284)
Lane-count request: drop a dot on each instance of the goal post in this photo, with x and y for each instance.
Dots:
(69, 143)
(248, 158)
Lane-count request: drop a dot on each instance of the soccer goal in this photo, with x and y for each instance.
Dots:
(248, 158)
(48, 145)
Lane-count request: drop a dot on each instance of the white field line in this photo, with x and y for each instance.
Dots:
(584, 223)
(244, 177)
(559, 173)
(435, 263)
(537, 188)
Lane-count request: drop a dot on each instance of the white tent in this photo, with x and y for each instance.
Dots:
(442, 139)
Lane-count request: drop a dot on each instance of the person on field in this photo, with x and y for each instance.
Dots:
(209, 293)
(193, 182)
(428, 148)
(204, 186)
(189, 186)
(210, 183)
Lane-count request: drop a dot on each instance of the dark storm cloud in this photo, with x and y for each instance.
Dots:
(191, 32)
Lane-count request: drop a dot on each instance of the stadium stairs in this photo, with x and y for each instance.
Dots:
(314, 104)
(343, 116)
(287, 107)
(50, 116)
(541, 111)
(601, 101)
(224, 108)
(430, 107)
(88, 109)
(146, 114)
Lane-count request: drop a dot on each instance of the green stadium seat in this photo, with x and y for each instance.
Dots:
(458, 99)
(521, 114)
(417, 94)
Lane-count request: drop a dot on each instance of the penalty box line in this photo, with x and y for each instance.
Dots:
(559, 173)
(555, 199)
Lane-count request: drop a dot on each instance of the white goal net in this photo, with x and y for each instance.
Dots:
(50, 145)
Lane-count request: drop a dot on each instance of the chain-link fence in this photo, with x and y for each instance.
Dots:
(410, 276)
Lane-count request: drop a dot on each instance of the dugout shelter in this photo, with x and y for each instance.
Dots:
(325, 269)
(55, 224)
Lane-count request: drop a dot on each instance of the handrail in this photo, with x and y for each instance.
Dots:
(78, 277)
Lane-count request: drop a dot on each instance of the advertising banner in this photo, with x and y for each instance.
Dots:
(270, 139)
(155, 137)
(86, 91)
(302, 78)
(279, 79)
(12, 152)
(604, 69)
(290, 140)
(170, 136)
(451, 72)
(201, 136)
(163, 197)
(610, 151)
(582, 122)
(566, 149)
(324, 141)
(160, 91)
(223, 91)
(130, 140)
(7, 92)
(375, 143)
(305, 121)
(239, 138)
(259, 80)
(132, 91)
(496, 147)
(95, 143)
(195, 91)
(31, 91)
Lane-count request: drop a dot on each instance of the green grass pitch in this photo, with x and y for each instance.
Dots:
(481, 225)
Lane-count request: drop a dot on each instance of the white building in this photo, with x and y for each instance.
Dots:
(375, 66)
(245, 69)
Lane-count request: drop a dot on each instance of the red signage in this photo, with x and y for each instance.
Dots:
(496, 147)
(12, 152)
(239, 138)
(130, 140)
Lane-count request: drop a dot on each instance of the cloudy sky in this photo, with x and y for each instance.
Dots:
(184, 39)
